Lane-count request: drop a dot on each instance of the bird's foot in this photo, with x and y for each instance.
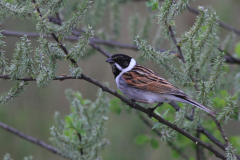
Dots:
(134, 103)
(150, 115)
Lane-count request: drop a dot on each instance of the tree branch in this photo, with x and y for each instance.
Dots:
(203, 130)
(56, 38)
(175, 42)
(221, 131)
(80, 139)
(111, 43)
(195, 11)
(197, 88)
(30, 139)
(211, 137)
(199, 150)
(180, 53)
(160, 135)
(222, 24)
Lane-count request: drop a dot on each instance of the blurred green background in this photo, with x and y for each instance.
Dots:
(32, 113)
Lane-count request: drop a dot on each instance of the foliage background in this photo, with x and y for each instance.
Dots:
(32, 113)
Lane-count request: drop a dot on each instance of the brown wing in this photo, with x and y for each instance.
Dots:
(143, 78)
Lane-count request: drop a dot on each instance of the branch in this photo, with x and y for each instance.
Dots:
(222, 24)
(195, 11)
(56, 38)
(197, 88)
(138, 107)
(221, 131)
(199, 150)
(211, 137)
(180, 53)
(203, 130)
(30, 139)
(111, 43)
(80, 139)
(92, 43)
(175, 42)
(160, 135)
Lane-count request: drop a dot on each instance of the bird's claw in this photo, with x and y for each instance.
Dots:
(150, 115)
(134, 103)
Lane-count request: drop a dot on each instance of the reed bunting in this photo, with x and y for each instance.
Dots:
(141, 84)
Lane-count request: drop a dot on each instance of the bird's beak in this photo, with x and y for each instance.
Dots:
(109, 60)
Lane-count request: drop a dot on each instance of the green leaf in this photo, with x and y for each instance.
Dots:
(154, 119)
(192, 83)
(149, 4)
(141, 139)
(204, 28)
(226, 68)
(82, 132)
(69, 120)
(70, 132)
(154, 16)
(115, 106)
(78, 124)
(191, 158)
(78, 95)
(237, 49)
(165, 113)
(219, 102)
(154, 143)
(155, 6)
(67, 133)
(179, 44)
(157, 125)
(224, 93)
(175, 154)
(235, 140)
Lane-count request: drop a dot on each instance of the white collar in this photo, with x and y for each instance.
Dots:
(131, 65)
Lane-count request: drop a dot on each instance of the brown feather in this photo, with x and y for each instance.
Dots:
(144, 78)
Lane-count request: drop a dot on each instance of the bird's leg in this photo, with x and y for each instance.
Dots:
(152, 109)
(134, 102)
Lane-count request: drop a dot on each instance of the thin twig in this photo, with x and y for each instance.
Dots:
(92, 43)
(160, 135)
(196, 86)
(56, 38)
(180, 53)
(227, 143)
(203, 130)
(30, 139)
(195, 11)
(111, 43)
(175, 42)
(211, 137)
(80, 139)
(199, 150)
(222, 24)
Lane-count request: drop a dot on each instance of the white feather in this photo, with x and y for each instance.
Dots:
(131, 65)
(118, 66)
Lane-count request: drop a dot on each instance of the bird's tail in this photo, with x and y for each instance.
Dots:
(199, 105)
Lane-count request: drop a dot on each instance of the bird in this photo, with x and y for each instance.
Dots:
(141, 84)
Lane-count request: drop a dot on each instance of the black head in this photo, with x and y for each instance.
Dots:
(119, 62)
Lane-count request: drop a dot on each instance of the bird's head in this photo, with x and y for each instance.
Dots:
(121, 63)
